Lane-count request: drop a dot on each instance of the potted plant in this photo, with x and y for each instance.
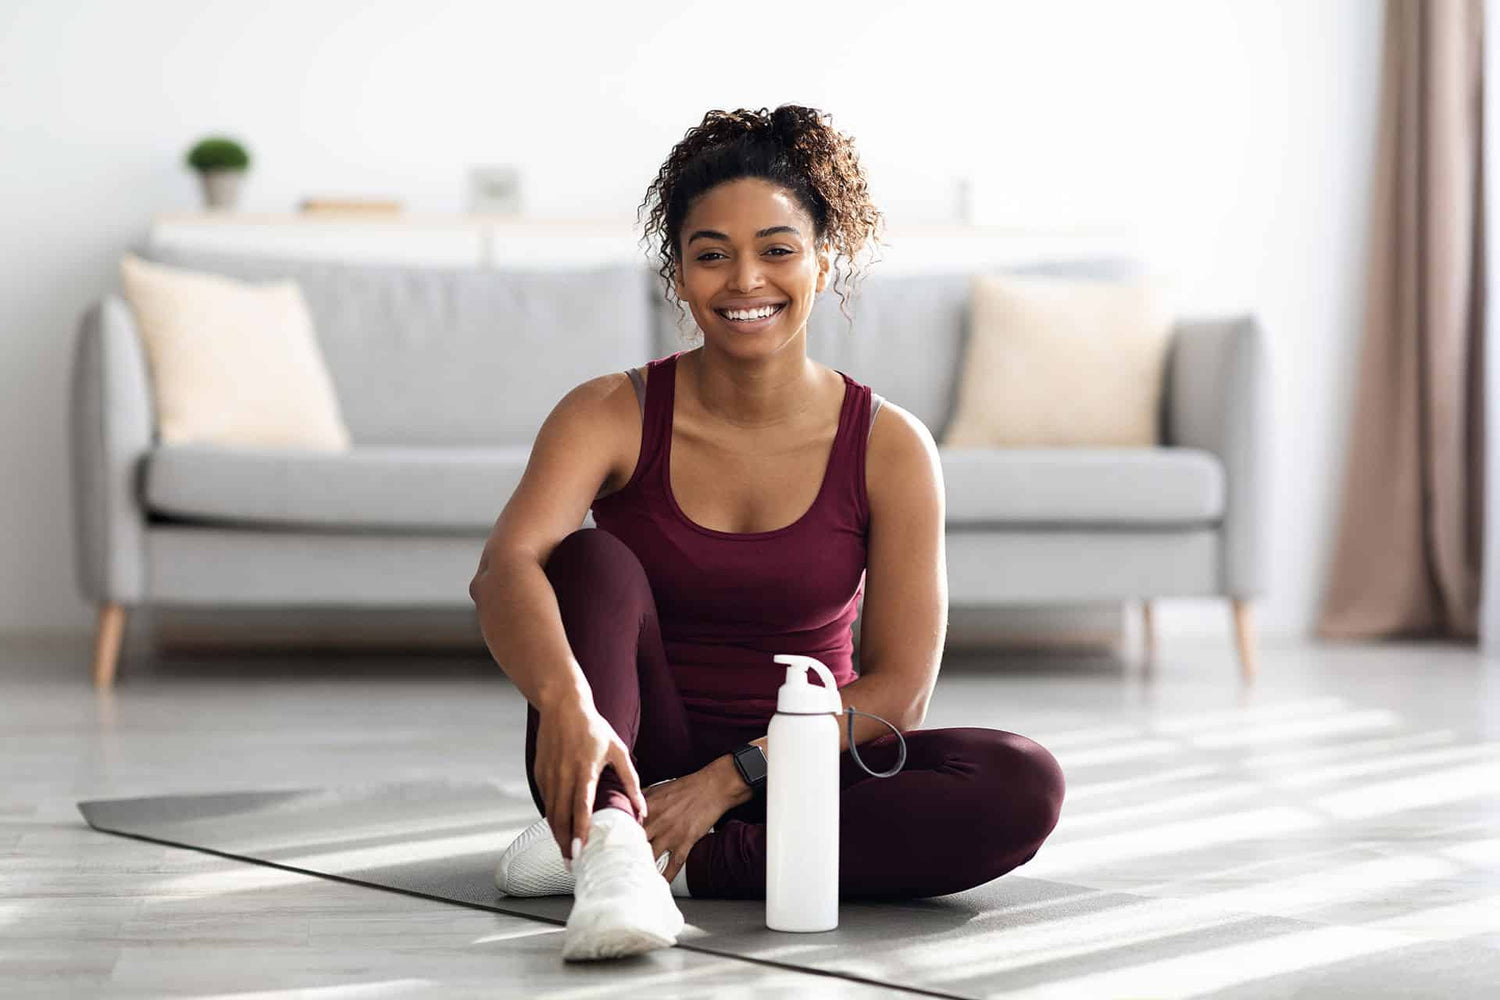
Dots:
(221, 164)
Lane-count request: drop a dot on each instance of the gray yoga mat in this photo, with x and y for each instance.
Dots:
(440, 840)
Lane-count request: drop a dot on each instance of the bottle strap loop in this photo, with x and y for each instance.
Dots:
(854, 751)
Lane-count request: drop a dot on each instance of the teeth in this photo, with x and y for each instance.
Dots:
(760, 313)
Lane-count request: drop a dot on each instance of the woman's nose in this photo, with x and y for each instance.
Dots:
(746, 274)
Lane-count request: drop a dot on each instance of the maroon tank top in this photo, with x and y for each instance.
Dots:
(730, 601)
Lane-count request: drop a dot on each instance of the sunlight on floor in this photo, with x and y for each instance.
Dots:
(1280, 732)
(1185, 724)
(350, 991)
(519, 932)
(1304, 755)
(1096, 789)
(1220, 968)
(1126, 750)
(1477, 781)
(345, 862)
(1484, 853)
(1126, 815)
(1339, 772)
(1018, 945)
(235, 877)
(1057, 860)
(669, 980)
(1130, 924)
(268, 840)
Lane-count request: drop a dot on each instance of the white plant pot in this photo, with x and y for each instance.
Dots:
(221, 188)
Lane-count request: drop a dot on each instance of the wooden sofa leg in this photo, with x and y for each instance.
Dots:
(1148, 627)
(1244, 637)
(107, 644)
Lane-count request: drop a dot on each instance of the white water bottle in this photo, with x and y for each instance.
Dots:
(802, 801)
(802, 797)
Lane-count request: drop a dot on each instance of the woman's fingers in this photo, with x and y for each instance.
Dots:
(626, 770)
(583, 807)
(677, 857)
(561, 819)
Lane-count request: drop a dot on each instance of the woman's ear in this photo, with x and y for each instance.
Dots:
(825, 261)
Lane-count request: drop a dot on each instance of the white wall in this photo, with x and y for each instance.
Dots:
(1236, 137)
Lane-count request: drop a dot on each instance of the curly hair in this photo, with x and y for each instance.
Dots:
(793, 147)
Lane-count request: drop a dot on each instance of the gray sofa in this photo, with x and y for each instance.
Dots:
(445, 375)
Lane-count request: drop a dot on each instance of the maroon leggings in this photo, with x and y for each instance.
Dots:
(969, 805)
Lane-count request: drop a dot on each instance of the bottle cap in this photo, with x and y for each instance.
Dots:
(797, 695)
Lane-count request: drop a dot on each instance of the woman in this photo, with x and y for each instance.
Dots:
(745, 497)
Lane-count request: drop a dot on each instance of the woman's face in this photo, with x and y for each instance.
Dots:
(748, 249)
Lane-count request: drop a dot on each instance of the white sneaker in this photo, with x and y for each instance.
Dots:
(622, 905)
(533, 865)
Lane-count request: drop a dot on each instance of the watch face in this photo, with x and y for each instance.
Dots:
(752, 764)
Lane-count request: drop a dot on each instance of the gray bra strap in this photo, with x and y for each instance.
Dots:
(640, 388)
(874, 409)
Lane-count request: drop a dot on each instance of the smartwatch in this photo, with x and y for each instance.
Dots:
(750, 760)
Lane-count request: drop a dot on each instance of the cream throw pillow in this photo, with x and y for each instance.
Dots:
(232, 363)
(1055, 362)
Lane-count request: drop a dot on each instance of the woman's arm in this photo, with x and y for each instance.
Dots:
(905, 617)
(519, 616)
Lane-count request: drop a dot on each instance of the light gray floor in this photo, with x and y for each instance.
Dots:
(1354, 789)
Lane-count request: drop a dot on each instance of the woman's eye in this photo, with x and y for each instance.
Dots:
(779, 251)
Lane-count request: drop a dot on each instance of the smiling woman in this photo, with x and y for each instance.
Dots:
(746, 498)
(794, 150)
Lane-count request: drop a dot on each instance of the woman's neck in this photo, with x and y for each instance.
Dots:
(779, 390)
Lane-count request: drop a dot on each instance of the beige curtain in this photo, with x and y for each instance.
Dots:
(1407, 559)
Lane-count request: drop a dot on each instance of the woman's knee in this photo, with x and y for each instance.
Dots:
(595, 561)
(1026, 780)
(1039, 777)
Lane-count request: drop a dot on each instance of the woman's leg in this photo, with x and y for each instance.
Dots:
(969, 805)
(609, 615)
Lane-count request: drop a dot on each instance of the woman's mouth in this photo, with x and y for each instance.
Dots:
(751, 319)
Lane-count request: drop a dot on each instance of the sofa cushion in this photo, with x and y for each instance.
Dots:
(1062, 362)
(232, 362)
(910, 330)
(392, 488)
(1105, 487)
(455, 356)
(444, 490)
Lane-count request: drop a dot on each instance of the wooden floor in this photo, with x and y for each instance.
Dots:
(1357, 789)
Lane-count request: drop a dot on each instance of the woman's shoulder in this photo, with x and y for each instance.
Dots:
(901, 455)
(898, 434)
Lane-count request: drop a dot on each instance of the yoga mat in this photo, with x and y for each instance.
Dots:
(441, 840)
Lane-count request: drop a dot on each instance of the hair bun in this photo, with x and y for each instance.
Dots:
(789, 120)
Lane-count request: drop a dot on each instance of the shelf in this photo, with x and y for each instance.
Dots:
(495, 240)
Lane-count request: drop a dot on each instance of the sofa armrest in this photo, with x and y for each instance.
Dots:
(111, 426)
(1216, 397)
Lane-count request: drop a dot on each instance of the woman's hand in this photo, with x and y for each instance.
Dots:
(573, 743)
(682, 810)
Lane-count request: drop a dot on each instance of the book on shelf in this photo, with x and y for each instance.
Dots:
(349, 206)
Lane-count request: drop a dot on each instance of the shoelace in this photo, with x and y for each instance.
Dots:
(602, 871)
